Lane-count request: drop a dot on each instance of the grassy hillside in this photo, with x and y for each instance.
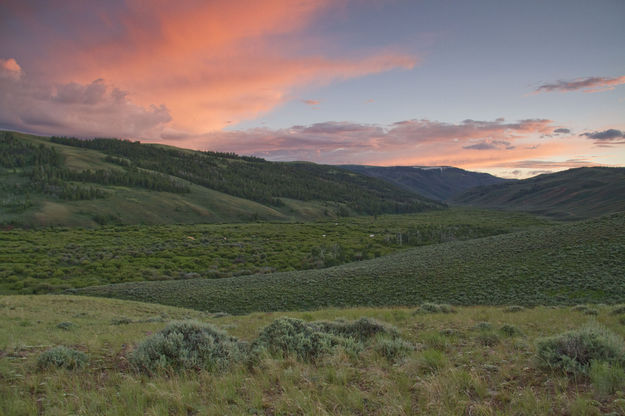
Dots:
(438, 183)
(572, 194)
(63, 181)
(480, 360)
(564, 264)
(45, 260)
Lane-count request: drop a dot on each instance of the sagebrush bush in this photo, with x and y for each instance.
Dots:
(310, 340)
(429, 307)
(66, 326)
(618, 309)
(62, 357)
(187, 345)
(483, 326)
(286, 336)
(361, 329)
(574, 351)
(514, 308)
(510, 330)
(393, 348)
(121, 321)
(488, 338)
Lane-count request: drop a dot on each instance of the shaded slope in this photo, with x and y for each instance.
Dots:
(570, 263)
(571, 194)
(439, 183)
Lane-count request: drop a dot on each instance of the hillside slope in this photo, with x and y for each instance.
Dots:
(571, 194)
(65, 181)
(564, 264)
(439, 183)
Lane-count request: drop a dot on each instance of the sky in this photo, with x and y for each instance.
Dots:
(513, 88)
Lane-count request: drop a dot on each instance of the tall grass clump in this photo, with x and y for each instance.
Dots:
(574, 351)
(62, 357)
(606, 379)
(187, 345)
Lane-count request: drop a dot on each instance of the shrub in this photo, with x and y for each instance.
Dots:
(514, 308)
(62, 357)
(510, 330)
(286, 336)
(394, 348)
(310, 340)
(121, 321)
(483, 326)
(618, 309)
(591, 312)
(66, 326)
(362, 329)
(574, 351)
(188, 345)
(435, 308)
(488, 338)
(606, 379)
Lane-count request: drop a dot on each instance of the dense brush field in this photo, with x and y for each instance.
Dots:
(53, 259)
(469, 360)
(564, 264)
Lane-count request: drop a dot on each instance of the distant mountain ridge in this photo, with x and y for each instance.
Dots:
(436, 182)
(570, 194)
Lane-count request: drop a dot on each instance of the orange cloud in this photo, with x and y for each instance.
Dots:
(210, 63)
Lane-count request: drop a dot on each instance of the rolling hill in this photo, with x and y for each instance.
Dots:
(436, 182)
(73, 182)
(564, 264)
(571, 194)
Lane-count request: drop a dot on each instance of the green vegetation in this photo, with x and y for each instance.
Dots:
(575, 351)
(117, 181)
(571, 194)
(44, 260)
(187, 345)
(62, 357)
(563, 264)
(417, 372)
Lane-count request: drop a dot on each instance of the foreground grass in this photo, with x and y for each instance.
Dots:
(454, 369)
(41, 261)
(564, 264)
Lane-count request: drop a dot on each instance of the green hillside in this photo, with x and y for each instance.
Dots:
(571, 194)
(440, 183)
(72, 182)
(564, 264)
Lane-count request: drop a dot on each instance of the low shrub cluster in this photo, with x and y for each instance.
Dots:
(62, 357)
(194, 345)
(310, 340)
(574, 351)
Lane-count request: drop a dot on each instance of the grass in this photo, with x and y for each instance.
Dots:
(565, 264)
(439, 374)
(36, 261)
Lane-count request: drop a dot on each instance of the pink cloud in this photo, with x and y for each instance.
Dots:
(311, 102)
(421, 142)
(589, 84)
(9, 68)
(210, 63)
